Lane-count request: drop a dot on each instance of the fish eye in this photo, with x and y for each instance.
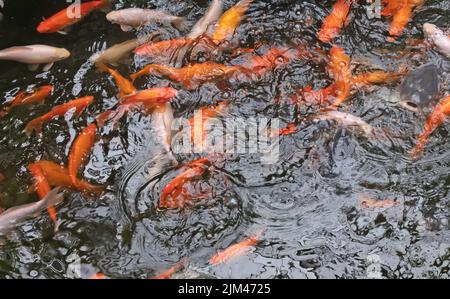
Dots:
(342, 63)
(280, 59)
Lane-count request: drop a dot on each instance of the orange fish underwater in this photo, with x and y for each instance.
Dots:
(43, 188)
(60, 110)
(175, 189)
(235, 250)
(79, 152)
(162, 48)
(37, 96)
(334, 22)
(434, 120)
(340, 69)
(230, 21)
(370, 203)
(124, 85)
(401, 12)
(68, 16)
(171, 271)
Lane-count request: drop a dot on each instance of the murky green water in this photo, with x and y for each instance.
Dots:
(308, 202)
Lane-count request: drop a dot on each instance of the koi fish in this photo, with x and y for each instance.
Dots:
(199, 120)
(345, 120)
(118, 53)
(34, 55)
(162, 120)
(130, 18)
(377, 77)
(14, 216)
(150, 97)
(438, 38)
(38, 95)
(173, 190)
(212, 15)
(171, 271)
(370, 203)
(79, 152)
(190, 76)
(98, 276)
(230, 21)
(402, 15)
(69, 16)
(124, 85)
(340, 69)
(165, 47)
(434, 120)
(43, 188)
(58, 176)
(290, 129)
(316, 97)
(335, 21)
(235, 250)
(78, 105)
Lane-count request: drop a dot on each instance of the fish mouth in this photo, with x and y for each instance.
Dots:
(411, 106)
(62, 53)
(111, 16)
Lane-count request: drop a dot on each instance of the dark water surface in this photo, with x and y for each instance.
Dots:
(308, 202)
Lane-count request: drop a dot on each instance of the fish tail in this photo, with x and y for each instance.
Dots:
(180, 23)
(89, 188)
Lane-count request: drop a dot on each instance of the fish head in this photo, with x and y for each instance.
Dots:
(61, 53)
(114, 17)
(44, 27)
(338, 57)
(431, 31)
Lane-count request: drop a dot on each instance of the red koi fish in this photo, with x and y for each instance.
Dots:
(190, 76)
(335, 21)
(434, 120)
(171, 193)
(58, 176)
(340, 69)
(124, 85)
(198, 124)
(79, 153)
(43, 188)
(69, 16)
(171, 271)
(60, 110)
(235, 250)
(37, 96)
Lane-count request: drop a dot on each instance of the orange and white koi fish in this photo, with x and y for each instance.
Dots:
(78, 105)
(37, 96)
(370, 203)
(79, 152)
(199, 121)
(171, 271)
(69, 16)
(170, 196)
(230, 21)
(434, 120)
(190, 76)
(335, 21)
(340, 69)
(235, 250)
(43, 188)
(58, 176)
(124, 85)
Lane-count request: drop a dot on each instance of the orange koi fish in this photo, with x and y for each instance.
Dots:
(335, 21)
(38, 96)
(60, 110)
(392, 6)
(171, 271)
(198, 124)
(434, 120)
(98, 276)
(175, 188)
(58, 176)
(340, 69)
(124, 85)
(43, 188)
(230, 21)
(370, 203)
(69, 16)
(290, 129)
(235, 250)
(402, 12)
(316, 97)
(377, 77)
(79, 152)
(165, 47)
(190, 76)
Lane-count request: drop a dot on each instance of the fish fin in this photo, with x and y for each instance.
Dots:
(126, 28)
(34, 125)
(33, 67)
(64, 32)
(48, 66)
(53, 198)
(84, 186)
(180, 23)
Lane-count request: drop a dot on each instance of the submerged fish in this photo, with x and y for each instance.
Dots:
(401, 12)
(16, 215)
(34, 55)
(162, 120)
(334, 22)
(342, 75)
(345, 120)
(370, 203)
(438, 38)
(130, 18)
(230, 21)
(124, 85)
(168, 273)
(69, 16)
(38, 96)
(235, 250)
(434, 120)
(78, 105)
(212, 15)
